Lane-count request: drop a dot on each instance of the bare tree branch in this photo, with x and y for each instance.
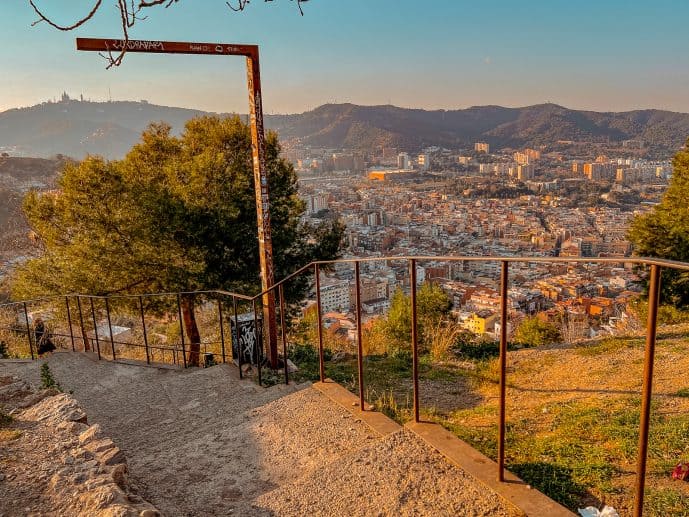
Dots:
(44, 18)
(130, 13)
(241, 5)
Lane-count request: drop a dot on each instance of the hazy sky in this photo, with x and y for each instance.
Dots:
(607, 55)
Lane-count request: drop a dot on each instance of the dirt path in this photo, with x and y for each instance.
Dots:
(201, 442)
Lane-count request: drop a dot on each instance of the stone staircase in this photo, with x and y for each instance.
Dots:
(203, 442)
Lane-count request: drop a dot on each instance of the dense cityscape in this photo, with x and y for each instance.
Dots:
(513, 202)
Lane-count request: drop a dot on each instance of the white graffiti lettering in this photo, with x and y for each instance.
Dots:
(138, 45)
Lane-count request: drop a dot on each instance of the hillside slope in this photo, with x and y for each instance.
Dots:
(17, 175)
(77, 128)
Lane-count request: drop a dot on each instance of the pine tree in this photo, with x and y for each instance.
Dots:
(664, 231)
(176, 214)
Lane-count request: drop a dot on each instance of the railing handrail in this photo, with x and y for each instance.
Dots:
(656, 265)
(641, 261)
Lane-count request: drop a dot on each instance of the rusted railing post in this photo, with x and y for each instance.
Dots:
(143, 326)
(283, 330)
(84, 338)
(414, 339)
(95, 326)
(181, 329)
(236, 336)
(69, 322)
(503, 368)
(222, 330)
(112, 338)
(321, 359)
(359, 342)
(651, 327)
(258, 342)
(28, 332)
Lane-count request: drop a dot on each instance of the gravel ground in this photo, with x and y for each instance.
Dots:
(398, 475)
(201, 442)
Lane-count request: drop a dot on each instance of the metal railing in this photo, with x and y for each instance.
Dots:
(656, 265)
(85, 323)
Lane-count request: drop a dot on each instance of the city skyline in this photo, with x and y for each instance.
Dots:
(616, 57)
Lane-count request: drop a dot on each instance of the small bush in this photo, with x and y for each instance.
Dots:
(5, 419)
(534, 332)
(479, 350)
(682, 392)
(667, 314)
(47, 379)
(386, 404)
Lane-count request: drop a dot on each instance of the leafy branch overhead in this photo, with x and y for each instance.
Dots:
(130, 12)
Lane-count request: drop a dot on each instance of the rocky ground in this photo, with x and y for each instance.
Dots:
(53, 463)
(202, 442)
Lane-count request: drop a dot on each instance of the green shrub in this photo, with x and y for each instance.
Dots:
(47, 379)
(534, 332)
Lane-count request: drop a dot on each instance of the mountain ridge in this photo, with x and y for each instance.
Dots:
(76, 128)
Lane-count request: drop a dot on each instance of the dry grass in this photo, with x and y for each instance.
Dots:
(7, 435)
(442, 338)
(573, 419)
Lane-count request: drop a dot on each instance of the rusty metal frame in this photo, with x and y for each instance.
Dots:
(504, 271)
(265, 242)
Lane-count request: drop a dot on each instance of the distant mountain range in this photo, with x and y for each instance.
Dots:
(75, 128)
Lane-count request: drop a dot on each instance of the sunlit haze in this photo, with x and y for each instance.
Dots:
(607, 56)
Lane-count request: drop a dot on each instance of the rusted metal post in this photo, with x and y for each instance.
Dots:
(359, 341)
(69, 322)
(236, 335)
(84, 339)
(503, 368)
(28, 332)
(112, 338)
(251, 53)
(321, 359)
(414, 339)
(181, 329)
(95, 327)
(143, 326)
(258, 342)
(651, 327)
(222, 331)
(265, 242)
(283, 329)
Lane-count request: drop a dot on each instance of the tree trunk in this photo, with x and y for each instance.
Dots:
(192, 329)
(85, 339)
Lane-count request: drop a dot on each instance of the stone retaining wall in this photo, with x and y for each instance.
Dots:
(53, 463)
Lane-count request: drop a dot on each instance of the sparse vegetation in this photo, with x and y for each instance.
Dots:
(573, 413)
(7, 434)
(387, 404)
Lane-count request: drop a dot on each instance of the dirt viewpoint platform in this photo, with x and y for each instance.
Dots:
(202, 442)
